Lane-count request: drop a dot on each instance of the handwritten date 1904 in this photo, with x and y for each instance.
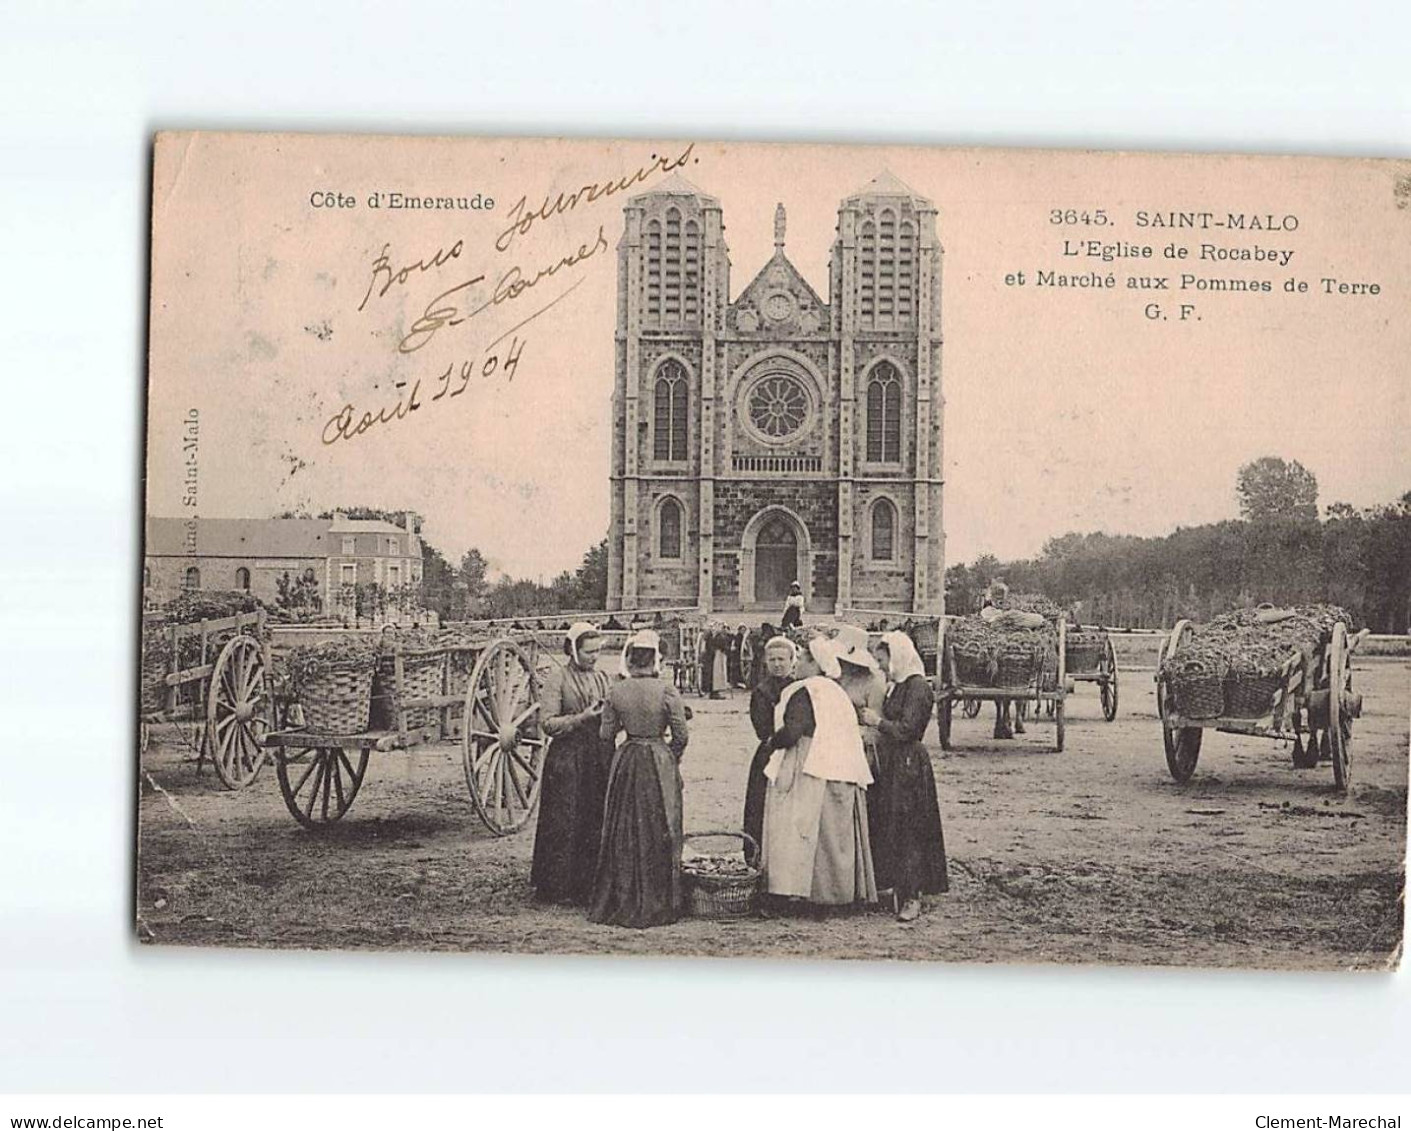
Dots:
(346, 424)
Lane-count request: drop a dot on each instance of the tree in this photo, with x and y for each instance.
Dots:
(438, 590)
(590, 583)
(472, 573)
(1270, 488)
(301, 596)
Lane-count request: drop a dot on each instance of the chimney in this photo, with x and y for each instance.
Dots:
(407, 522)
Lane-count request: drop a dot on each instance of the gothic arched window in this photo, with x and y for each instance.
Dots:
(669, 438)
(884, 529)
(654, 268)
(906, 271)
(193, 578)
(671, 267)
(691, 272)
(884, 414)
(886, 264)
(242, 579)
(669, 529)
(867, 271)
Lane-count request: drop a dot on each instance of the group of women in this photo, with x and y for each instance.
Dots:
(840, 798)
(841, 794)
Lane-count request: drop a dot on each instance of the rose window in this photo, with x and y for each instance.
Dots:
(778, 406)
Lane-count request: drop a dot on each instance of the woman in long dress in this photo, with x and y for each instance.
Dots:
(793, 607)
(862, 679)
(575, 773)
(815, 809)
(719, 661)
(638, 881)
(780, 655)
(910, 845)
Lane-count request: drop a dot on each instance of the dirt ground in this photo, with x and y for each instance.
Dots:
(1092, 855)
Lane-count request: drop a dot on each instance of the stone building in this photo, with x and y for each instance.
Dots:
(252, 554)
(778, 437)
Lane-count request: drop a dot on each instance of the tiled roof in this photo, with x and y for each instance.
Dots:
(243, 537)
(342, 525)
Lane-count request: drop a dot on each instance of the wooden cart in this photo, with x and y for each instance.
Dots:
(1313, 708)
(502, 740)
(1085, 667)
(226, 693)
(951, 693)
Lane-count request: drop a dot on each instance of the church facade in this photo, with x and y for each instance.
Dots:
(780, 437)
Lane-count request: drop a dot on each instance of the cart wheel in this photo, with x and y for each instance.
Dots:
(319, 784)
(238, 712)
(1182, 743)
(502, 741)
(1107, 687)
(1339, 722)
(1059, 706)
(970, 708)
(945, 708)
(1182, 750)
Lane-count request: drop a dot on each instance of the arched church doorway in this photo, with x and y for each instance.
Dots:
(776, 560)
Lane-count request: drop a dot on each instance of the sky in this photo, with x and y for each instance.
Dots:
(1067, 408)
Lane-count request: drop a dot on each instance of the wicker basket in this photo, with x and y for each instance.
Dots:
(1083, 653)
(925, 636)
(338, 700)
(154, 681)
(1198, 687)
(723, 897)
(1019, 663)
(423, 677)
(973, 669)
(1249, 695)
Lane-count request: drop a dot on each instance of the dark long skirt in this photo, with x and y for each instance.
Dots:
(570, 822)
(756, 786)
(904, 819)
(638, 882)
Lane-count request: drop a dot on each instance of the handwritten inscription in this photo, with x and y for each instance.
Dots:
(522, 220)
(348, 423)
(455, 305)
(382, 269)
(444, 311)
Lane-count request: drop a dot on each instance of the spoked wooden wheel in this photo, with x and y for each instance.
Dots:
(945, 708)
(970, 708)
(503, 742)
(1182, 751)
(320, 783)
(1339, 735)
(1107, 686)
(1182, 744)
(238, 712)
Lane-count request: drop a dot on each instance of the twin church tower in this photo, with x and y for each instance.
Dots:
(779, 437)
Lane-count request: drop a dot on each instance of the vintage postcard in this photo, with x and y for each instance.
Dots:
(749, 550)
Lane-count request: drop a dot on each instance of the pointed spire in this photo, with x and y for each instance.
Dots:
(779, 222)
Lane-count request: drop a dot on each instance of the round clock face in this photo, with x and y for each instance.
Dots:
(778, 307)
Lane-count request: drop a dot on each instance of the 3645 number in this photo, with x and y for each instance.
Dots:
(1097, 219)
